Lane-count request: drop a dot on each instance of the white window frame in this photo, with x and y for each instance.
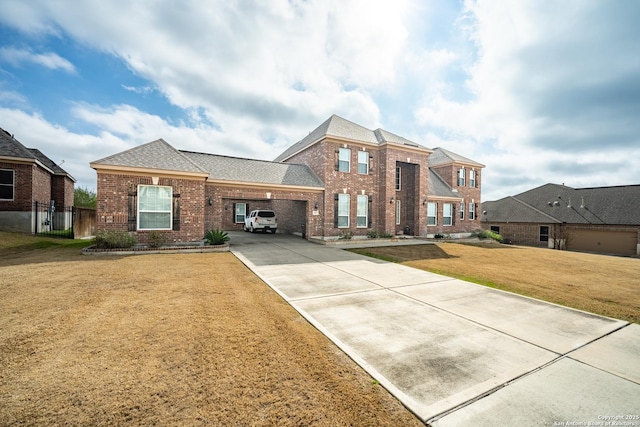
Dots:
(12, 185)
(447, 215)
(344, 207)
(461, 177)
(432, 208)
(472, 211)
(362, 211)
(462, 211)
(140, 212)
(236, 215)
(363, 155)
(398, 211)
(344, 156)
(472, 178)
(398, 178)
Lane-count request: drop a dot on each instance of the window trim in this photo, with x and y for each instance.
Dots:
(461, 177)
(12, 185)
(362, 201)
(235, 212)
(398, 178)
(462, 206)
(435, 213)
(347, 151)
(346, 197)
(139, 211)
(540, 234)
(472, 211)
(450, 216)
(365, 155)
(472, 178)
(398, 211)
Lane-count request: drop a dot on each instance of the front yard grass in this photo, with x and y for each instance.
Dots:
(167, 339)
(605, 285)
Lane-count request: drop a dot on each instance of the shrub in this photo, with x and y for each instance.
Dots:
(438, 236)
(216, 237)
(114, 240)
(372, 234)
(345, 236)
(488, 234)
(156, 239)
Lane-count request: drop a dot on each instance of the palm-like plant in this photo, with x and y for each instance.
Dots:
(216, 237)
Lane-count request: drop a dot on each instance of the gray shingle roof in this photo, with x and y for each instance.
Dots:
(255, 171)
(341, 128)
(156, 154)
(11, 147)
(618, 205)
(440, 156)
(438, 187)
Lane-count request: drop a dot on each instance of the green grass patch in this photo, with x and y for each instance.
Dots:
(376, 256)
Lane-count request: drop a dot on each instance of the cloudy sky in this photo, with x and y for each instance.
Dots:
(539, 91)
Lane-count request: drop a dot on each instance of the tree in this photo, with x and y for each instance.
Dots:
(84, 198)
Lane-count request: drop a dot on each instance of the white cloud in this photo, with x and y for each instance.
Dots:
(50, 60)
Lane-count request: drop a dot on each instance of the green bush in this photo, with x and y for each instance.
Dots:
(216, 237)
(372, 234)
(156, 239)
(114, 240)
(488, 234)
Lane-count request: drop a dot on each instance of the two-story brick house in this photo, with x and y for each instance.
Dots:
(341, 179)
(28, 177)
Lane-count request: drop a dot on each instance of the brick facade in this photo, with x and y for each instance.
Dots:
(116, 192)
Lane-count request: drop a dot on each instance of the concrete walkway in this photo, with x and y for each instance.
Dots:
(456, 353)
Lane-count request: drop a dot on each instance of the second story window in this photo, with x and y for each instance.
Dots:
(398, 178)
(472, 178)
(363, 162)
(344, 160)
(461, 177)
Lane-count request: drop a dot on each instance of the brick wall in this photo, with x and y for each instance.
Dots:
(525, 234)
(62, 190)
(292, 207)
(41, 185)
(22, 187)
(113, 204)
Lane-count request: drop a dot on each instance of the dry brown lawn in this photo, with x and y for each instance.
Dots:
(170, 339)
(601, 284)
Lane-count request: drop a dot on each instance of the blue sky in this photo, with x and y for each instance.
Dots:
(538, 91)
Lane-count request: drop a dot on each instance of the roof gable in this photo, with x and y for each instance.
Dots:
(439, 188)
(440, 156)
(336, 126)
(156, 154)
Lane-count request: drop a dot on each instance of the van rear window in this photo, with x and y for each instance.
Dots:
(266, 214)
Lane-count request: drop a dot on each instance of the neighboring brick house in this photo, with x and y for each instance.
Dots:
(600, 219)
(342, 179)
(27, 177)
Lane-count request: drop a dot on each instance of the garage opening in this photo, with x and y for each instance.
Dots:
(603, 241)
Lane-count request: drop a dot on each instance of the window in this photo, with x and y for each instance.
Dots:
(472, 178)
(362, 218)
(461, 177)
(432, 209)
(446, 214)
(363, 162)
(240, 212)
(544, 233)
(472, 211)
(462, 210)
(344, 160)
(7, 182)
(495, 229)
(398, 178)
(398, 211)
(155, 207)
(344, 204)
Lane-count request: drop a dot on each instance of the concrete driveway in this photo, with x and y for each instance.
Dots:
(453, 352)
